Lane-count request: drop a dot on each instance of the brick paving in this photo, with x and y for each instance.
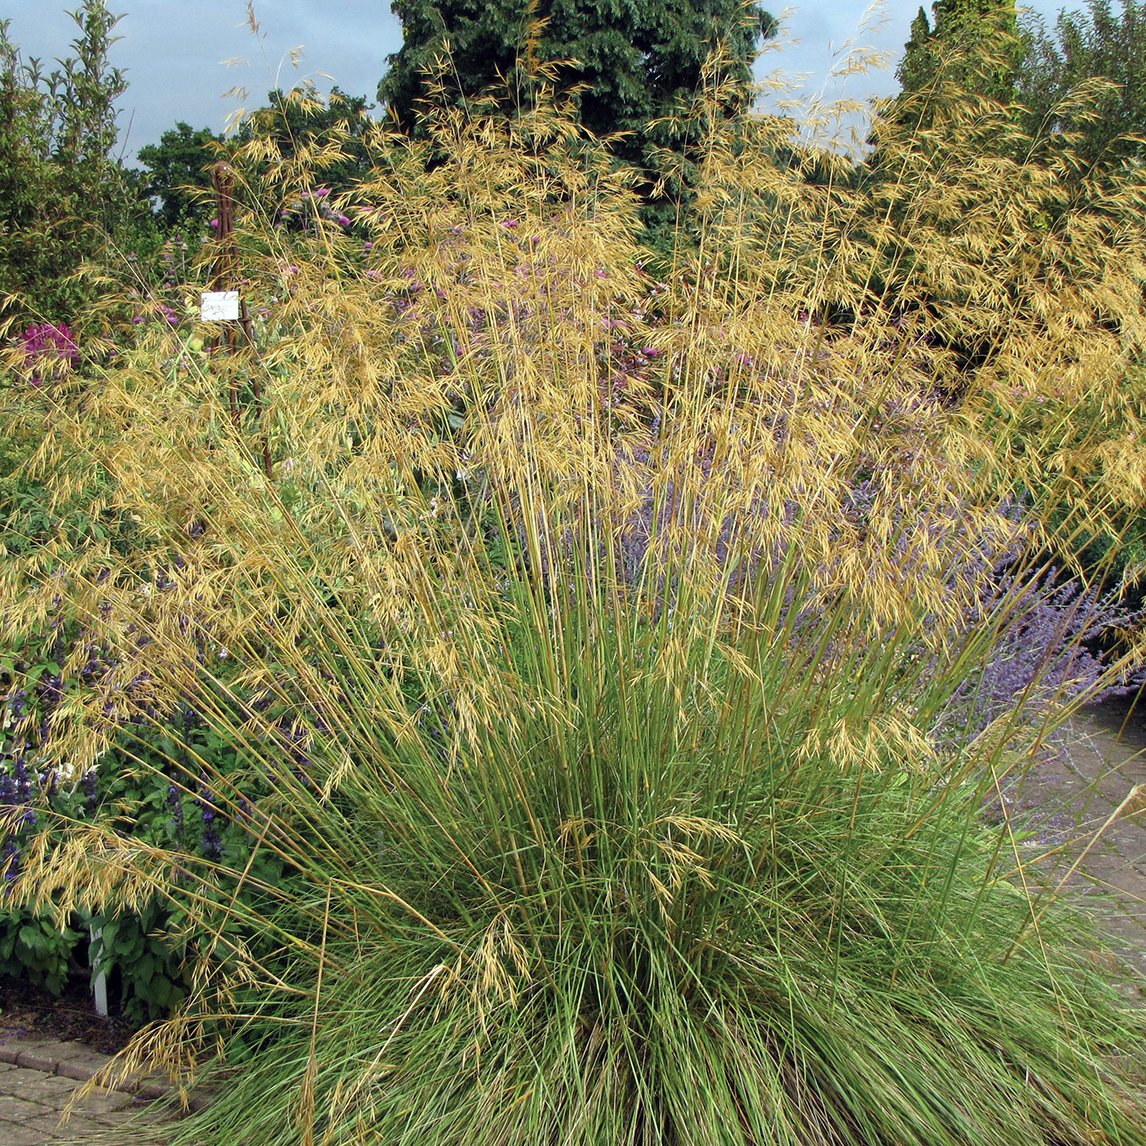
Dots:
(38, 1078)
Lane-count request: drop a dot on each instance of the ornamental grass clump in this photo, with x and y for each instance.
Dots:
(587, 659)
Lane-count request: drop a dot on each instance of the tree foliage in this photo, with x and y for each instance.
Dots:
(176, 174)
(631, 63)
(292, 128)
(976, 39)
(62, 190)
(301, 129)
(1085, 48)
(25, 171)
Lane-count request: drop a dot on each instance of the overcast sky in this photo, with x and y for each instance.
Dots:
(174, 51)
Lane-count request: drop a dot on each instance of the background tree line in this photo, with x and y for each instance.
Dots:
(67, 199)
(63, 193)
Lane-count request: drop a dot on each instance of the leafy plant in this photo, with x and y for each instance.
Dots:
(62, 193)
(630, 66)
(1094, 47)
(147, 966)
(133, 794)
(35, 949)
(176, 173)
(976, 31)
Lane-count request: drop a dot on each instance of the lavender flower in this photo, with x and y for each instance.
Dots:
(91, 791)
(175, 800)
(1049, 649)
(10, 861)
(16, 791)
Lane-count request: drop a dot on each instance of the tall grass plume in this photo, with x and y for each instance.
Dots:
(594, 662)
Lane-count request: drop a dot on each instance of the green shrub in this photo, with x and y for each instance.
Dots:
(137, 793)
(35, 949)
(131, 951)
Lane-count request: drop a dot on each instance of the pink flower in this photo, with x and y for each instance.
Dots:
(49, 350)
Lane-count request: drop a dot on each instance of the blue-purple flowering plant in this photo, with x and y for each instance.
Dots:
(138, 788)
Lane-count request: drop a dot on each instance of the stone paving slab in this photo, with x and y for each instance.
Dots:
(39, 1077)
(1100, 764)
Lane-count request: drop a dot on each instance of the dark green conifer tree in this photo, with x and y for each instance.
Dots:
(1098, 43)
(972, 42)
(633, 62)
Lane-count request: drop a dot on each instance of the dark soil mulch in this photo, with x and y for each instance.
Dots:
(29, 1011)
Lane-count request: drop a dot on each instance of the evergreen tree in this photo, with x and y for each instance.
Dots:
(1093, 45)
(632, 62)
(973, 43)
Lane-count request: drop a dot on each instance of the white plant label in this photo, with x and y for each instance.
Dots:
(219, 306)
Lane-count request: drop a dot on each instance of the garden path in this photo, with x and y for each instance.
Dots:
(1069, 800)
(39, 1077)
